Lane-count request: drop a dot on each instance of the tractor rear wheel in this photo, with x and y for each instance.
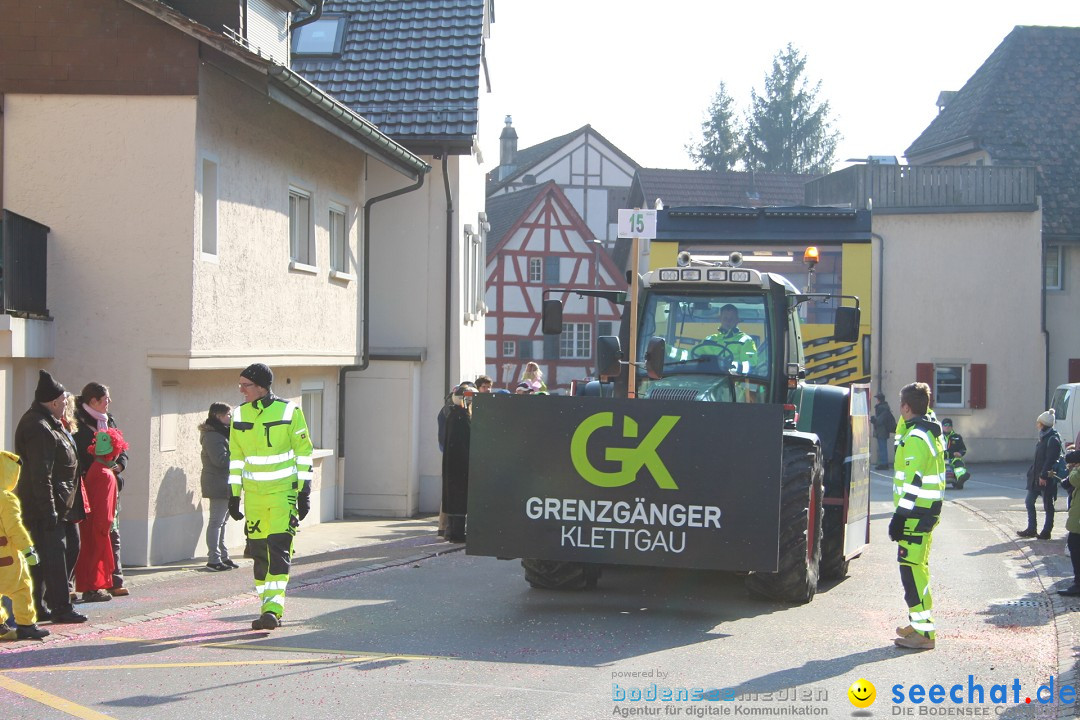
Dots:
(801, 516)
(559, 575)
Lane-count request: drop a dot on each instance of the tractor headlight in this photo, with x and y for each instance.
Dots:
(740, 276)
(718, 275)
(669, 275)
(693, 275)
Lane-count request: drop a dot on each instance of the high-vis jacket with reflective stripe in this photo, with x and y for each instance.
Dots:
(919, 472)
(269, 447)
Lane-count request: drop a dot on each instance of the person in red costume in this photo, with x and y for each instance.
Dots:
(94, 569)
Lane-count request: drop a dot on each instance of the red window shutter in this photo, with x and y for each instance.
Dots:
(1074, 370)
(924, 373)
(978, 386)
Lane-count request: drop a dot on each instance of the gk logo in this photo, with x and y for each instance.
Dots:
(632, 459)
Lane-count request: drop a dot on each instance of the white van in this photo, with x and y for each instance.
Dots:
(1066, 404)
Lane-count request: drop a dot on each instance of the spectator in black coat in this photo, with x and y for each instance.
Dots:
(1040, 480)
(47, 493)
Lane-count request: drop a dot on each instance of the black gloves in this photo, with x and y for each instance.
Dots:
(896, 527)
(303, 503)
(234, 508)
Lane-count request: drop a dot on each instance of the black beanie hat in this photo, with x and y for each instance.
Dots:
(259, 374)
(47, 388)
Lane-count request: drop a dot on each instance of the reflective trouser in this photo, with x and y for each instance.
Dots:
(914, 558)
(959, 469)
(271, 525)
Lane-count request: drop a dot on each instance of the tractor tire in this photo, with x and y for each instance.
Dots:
(834, 566)
(558, 575)
(801, 493)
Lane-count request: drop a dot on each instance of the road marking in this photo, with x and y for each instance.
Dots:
(58, 703)
(345, 653)
(236, 663)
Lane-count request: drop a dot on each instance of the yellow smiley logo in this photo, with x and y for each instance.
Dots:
(862, 693)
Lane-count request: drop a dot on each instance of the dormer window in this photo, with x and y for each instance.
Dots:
(322, 38)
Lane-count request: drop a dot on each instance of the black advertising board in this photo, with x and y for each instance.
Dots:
(634, 482)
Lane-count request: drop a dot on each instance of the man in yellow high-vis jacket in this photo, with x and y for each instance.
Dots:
(270, 462)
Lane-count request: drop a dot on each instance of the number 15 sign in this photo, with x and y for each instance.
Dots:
(637, 223)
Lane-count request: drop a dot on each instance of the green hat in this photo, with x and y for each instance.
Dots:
(103, 444)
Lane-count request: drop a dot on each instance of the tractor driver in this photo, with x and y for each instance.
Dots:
(730, 341)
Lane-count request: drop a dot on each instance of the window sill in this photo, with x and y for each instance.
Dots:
(209, 257)
(321, 453)
(303, 267)
(342, 276)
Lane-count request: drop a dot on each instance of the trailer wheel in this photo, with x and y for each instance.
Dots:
(558, 575)
(801, 516)
(834, 565)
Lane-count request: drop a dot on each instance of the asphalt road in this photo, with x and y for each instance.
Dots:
(401, 633)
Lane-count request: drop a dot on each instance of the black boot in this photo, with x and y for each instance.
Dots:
(1026, 532)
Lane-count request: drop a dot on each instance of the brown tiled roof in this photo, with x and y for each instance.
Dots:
(1022, 106)
(704, 187)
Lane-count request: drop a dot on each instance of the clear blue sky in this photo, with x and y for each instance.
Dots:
(643, 73)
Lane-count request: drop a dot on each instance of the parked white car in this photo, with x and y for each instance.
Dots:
(1066, 404)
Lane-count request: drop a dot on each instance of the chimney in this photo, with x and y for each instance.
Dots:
(507, 145)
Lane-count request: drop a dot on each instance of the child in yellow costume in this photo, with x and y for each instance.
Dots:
(16, 555)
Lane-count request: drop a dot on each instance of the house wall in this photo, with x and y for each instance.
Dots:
(408, 246)
(248, 286)
(119, 250)
(944, 302)
(180, 402)
(1061, 308)
(99, 47)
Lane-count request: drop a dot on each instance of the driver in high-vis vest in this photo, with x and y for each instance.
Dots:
(730, 341)
(270, 462)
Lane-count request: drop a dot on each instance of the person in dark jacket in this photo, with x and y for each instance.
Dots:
(93, 416)
(884, 429)
(46, 491)
(455, 465)
(215, 483)
(1040, 480)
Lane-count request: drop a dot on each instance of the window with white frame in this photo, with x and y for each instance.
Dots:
(339, 238)
(1054, 268)
(576, 340)
(209, 207)
(949, 389)
(474, 273)
(536, 270)
(509, 348)
(301, 249)
(311, 402)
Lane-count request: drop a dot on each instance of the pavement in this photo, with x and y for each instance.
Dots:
(323, 552)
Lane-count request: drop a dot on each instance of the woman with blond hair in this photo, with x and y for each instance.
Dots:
(534, 376)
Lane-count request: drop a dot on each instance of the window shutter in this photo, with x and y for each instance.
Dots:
(978, 386)
(604, 328)
(1074, 370)
(525, 350)
(551, 271)
(551, 347)
(924, 373)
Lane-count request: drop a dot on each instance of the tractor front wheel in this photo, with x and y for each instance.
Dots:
(559, 575)
(801, 516)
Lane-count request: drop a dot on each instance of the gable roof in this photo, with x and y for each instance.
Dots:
(503, 212)
(1022, 106)
(412, 67)
(677, 188)
(526, 160)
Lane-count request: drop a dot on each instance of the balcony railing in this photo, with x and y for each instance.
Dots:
(919, 188)
(25, 260)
